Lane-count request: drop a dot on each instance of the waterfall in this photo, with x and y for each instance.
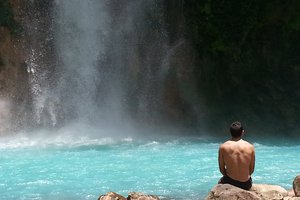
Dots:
(108, 63)
(79, 43)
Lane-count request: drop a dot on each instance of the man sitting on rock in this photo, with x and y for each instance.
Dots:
(237, 159)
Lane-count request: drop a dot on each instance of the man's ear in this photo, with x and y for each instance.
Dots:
(243, 132)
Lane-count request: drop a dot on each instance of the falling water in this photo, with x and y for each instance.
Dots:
(109, 63)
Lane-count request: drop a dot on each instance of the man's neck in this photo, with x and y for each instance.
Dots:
(236, 139)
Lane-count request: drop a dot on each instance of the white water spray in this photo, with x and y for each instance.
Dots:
(109, 61)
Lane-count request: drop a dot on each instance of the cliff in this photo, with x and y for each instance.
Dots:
(14, 89)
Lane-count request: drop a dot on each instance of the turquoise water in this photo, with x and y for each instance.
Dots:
(63, 167)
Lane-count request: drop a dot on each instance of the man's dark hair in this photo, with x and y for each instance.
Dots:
(236, 129)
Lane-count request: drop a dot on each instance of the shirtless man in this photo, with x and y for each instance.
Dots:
(237, 159)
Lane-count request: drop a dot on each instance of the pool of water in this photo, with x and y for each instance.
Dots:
(83, 168)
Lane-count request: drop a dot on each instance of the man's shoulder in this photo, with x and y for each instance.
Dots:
(225, 145)
(230, 144)
(248, 143)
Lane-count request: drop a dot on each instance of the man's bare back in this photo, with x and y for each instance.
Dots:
(237, 159)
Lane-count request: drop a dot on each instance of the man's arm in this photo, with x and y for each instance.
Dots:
(221, 161)
(252, 163)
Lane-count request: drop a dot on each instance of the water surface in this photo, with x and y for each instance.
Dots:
(83, 168)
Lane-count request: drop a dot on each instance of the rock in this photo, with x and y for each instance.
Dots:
(131, 196)
(257, 192)
(291, 193)
(229, 192)
(291, 198)
(111, 196)
(265, 191)
(141, 196)
(296, 186)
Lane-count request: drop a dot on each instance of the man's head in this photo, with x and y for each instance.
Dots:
(236, 129)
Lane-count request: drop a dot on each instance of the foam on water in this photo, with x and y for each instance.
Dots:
(68, 136)
(26, 141)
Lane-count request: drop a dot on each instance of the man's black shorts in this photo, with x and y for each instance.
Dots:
(244, 185)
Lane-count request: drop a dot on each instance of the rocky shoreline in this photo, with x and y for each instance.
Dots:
(228, 192)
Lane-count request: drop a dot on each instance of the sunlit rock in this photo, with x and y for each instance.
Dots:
(131, 196)
(269, 191)
(291, 193)
(291, 198)
(141, 196)
(229, 192)
(111, 196)
(257, 192)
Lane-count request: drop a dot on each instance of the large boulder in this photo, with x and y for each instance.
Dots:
(229, 192)
(296, 186)
(257, 192)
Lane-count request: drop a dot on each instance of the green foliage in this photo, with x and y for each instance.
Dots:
(249, 58)
(221, 26)
(7, 17)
